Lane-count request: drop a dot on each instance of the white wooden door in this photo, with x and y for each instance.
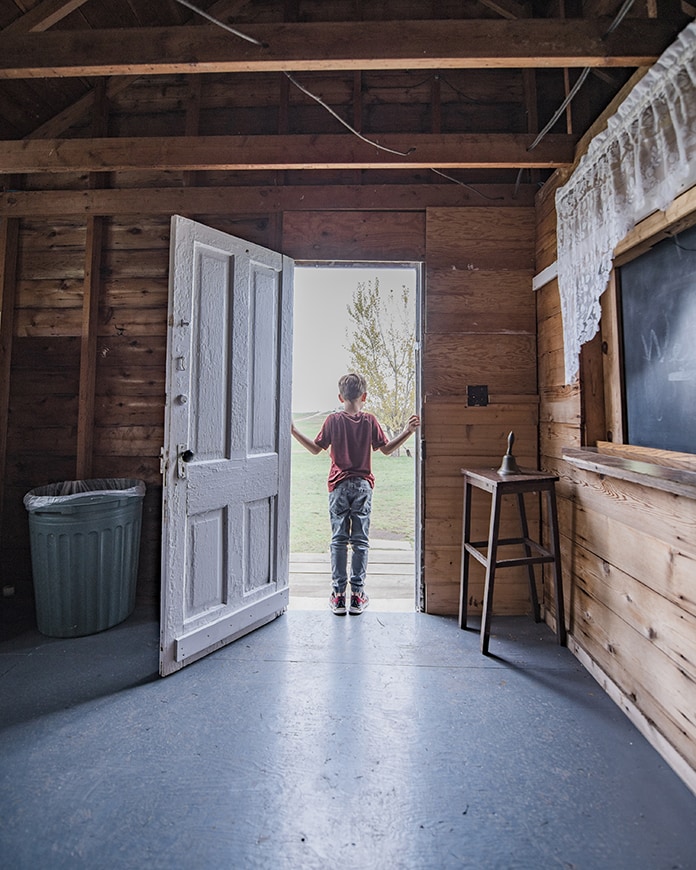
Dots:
(226, 457)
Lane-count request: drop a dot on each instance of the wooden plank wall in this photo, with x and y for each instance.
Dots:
(479, 329)
(87, 383)
(42, 430)
(629, 556)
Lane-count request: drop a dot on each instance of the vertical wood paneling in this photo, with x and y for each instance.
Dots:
(480, 328)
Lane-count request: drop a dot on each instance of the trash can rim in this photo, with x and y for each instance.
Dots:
(73, 491)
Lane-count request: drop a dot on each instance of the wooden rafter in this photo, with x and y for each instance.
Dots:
(523, 43)
(343, 151)
(76, 111)
(43, 16)
(507, 8)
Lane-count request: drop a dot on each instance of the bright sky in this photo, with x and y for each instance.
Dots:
(321, 323)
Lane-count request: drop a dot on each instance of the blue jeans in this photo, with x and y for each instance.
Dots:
(349, 511)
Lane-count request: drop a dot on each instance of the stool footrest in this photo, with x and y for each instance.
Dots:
(524, 560)
(542, 559)
(506, 542)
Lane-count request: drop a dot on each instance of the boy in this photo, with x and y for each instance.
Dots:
(351, 434)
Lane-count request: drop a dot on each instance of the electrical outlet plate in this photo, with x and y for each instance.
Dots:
(477, 395)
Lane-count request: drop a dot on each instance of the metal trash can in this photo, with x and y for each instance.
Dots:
(85, 540)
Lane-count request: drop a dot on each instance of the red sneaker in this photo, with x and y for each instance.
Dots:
(358, 602)
(337, 603)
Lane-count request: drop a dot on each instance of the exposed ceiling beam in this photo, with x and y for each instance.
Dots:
(43, 16)
(426, 151)
(264, 200)
(335, 46)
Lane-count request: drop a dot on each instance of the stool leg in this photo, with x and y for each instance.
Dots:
(490, 571)
(464, 572)
(528, 551)
(557, 580)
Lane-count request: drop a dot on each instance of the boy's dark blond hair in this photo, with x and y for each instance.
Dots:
(352, 386)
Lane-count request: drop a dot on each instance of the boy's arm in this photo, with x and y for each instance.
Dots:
(306, 442)
(411, 426)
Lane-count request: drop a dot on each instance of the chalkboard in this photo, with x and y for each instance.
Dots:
(658, 311)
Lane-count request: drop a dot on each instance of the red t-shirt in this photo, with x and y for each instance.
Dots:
(352, 438)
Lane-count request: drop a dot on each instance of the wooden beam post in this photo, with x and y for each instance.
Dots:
(9, 244)
(566, 78)
(532, 110)
(193, 118)
(90, 310)
(88, 348)
(357, 114)
(435, 106)
(284, 111)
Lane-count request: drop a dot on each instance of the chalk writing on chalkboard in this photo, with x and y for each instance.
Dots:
(658, 313)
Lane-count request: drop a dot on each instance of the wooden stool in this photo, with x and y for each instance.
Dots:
(499, 485)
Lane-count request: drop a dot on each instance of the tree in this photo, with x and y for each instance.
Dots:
(382, 339)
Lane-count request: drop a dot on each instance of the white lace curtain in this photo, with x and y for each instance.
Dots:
(645, 157)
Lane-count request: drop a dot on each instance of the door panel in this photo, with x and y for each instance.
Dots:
(225, 540)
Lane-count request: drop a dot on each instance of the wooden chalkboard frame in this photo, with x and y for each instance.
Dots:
(602, 414)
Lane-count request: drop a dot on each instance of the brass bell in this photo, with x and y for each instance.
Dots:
(509, 464)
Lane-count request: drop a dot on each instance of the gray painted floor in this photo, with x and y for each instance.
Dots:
(379, 741)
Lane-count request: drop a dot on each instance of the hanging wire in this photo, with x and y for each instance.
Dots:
(564, 105)
(219, 23)
(618, 18)
(444, 80)
(464, 184)
(345, 123)
(620, 15)
(461, 94)
(295, 82)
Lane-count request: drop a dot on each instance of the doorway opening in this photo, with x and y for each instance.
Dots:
(333, 305)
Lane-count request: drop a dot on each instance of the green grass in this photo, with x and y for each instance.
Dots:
(393, 502)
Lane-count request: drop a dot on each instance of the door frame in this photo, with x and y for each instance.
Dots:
(418, 266)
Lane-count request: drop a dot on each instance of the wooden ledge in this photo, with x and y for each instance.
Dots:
(679, 481)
